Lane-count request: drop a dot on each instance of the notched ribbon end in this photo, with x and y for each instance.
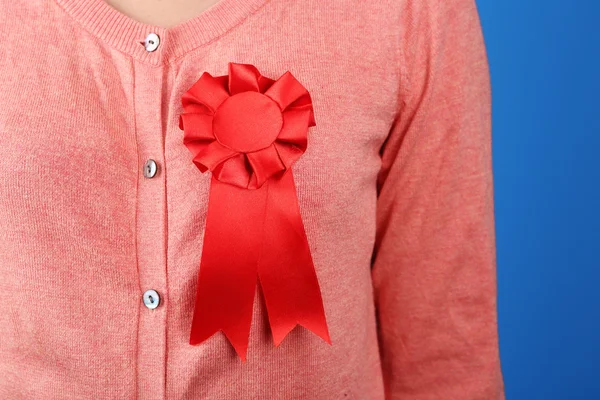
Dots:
(240, 347)
(280, 333)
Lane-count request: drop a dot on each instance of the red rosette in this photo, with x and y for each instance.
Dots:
(244, 127)
(248, 130)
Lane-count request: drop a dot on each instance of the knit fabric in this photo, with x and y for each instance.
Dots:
(395, 191)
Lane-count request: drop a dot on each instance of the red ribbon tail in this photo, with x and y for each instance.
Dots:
(228, 269)
(286, 271)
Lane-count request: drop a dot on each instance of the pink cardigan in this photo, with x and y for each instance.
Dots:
(100, 202)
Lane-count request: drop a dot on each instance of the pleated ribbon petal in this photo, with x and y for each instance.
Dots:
(248, 130)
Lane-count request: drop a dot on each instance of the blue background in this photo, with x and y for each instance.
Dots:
(545, 114)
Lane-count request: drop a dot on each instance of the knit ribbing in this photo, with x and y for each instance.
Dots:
(127, 34)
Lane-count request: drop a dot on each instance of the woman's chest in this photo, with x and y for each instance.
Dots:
(77, 133)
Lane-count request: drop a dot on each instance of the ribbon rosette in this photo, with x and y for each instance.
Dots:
(248, 130)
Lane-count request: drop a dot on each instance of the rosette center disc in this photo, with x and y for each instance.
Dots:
(247, 122)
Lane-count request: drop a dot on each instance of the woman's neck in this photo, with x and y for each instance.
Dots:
(164, 13)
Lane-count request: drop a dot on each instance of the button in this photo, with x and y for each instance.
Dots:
(150, 168)
(152, 41)
(151, 299)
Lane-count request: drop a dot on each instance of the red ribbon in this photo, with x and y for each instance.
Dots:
(248, 130)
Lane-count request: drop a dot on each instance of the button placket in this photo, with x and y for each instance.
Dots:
(151, 231)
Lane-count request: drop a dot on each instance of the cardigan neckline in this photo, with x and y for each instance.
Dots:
(128, 35)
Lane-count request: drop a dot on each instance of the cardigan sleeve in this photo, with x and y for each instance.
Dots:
(434, 261)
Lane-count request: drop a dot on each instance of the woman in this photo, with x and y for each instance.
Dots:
(246, 199)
